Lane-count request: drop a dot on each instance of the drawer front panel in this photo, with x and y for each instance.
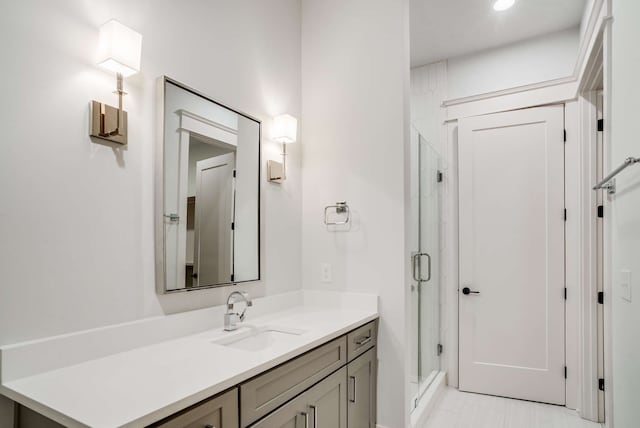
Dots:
(362, 339)
(322, 406)
(266, 392)
(218, 412)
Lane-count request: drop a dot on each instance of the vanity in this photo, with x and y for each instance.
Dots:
(332, 385)
(300, 359)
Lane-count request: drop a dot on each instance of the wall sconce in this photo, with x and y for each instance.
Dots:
(285, 129)
(119, 51)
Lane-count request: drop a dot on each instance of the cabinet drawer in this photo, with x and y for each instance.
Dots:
(362, 339)
(266, 392)
(322, 406)
(219, 412)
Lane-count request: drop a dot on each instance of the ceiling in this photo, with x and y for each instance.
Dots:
(443, 29)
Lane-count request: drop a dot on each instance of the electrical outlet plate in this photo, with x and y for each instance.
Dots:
(326, 273)
(625, 285)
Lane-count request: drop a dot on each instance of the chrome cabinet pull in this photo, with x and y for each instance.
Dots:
(305, 419)
(352, 389)
(363, 340)
(314, 409)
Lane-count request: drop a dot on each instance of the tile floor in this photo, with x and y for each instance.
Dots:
(457, 409)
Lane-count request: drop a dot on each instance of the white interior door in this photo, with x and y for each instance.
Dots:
(213, 255)
(512, 240)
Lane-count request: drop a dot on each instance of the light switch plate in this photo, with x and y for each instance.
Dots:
(625, 284)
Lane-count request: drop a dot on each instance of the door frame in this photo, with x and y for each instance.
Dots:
(596, 318)
(591, 320)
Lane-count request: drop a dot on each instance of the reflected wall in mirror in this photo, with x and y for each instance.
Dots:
(208, 190)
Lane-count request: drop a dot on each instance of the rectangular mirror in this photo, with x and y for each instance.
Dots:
(208, 192)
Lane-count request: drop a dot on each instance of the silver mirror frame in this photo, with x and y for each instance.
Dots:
(159, 235)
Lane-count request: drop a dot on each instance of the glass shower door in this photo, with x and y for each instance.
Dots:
(425, 288)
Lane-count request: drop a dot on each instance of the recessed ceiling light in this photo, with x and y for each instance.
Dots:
(503, 4)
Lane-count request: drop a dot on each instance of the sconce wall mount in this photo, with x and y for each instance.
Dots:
(275, 170)
(107, 122)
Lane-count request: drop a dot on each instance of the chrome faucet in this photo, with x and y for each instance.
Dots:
(232, 318)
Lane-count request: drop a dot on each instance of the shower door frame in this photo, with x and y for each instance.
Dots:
(417, 257)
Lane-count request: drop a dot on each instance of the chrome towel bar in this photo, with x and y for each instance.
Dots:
(608, 182)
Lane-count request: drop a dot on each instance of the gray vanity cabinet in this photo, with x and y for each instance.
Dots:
(268, 391)
(361, 391)
(342, 393)
(330, 386)
(322, 406)
(328, 402)
(220, 411)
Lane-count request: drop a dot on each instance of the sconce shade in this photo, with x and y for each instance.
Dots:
(119, 48)
(285, 129)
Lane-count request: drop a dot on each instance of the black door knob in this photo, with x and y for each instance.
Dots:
(467, 290)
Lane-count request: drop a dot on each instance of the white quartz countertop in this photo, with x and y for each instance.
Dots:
(143, 385)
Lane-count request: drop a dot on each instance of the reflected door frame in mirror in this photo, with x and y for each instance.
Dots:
(233, 256)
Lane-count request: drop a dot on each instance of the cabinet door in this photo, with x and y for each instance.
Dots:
(328, 402)
(218, 412)
(268, 391)
(361, 379)
(322, 406)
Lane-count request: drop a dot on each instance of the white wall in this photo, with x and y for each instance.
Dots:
(429, 89)
(585, 17)
(355, 68)
(77, 233)
(625, 218)
(531, 61)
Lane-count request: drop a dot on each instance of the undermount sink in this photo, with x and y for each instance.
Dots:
(258, 338)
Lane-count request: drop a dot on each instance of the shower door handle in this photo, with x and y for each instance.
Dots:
(429, 267)
(416, 266)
